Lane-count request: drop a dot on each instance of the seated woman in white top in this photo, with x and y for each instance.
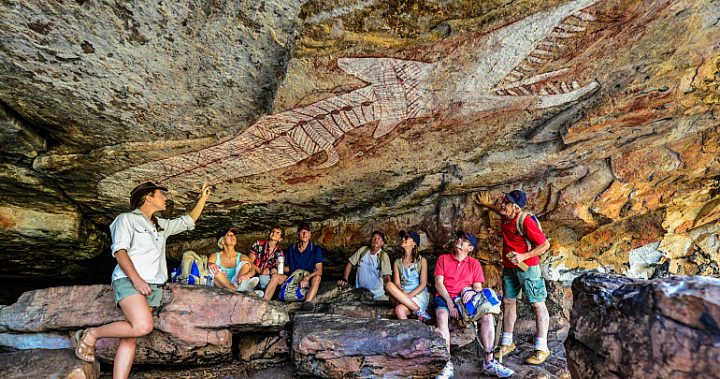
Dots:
(409, 284)
(228, 265)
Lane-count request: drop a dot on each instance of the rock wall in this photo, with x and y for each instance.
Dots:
(663, 328)
(366, 115)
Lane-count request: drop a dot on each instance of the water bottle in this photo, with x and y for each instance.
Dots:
(174, 275)
(281, 264)
(209, 280)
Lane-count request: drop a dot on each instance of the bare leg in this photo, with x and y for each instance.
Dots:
(314, 286)
(124, 357)
(275, 280)
(402, 312)
(542, 319)
(487, 336)
(443, 317)
(139, 323)
(510, 315)
(221, 280)
(400, 296)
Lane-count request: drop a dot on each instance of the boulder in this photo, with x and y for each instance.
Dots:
(264, 348)
(161, 348)
(51, 364)
(633, 328)
(25, 341)
(194, 324)
(363, 309)
(334, 346)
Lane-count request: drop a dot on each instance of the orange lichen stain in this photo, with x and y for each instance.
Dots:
(6, 222)
(638, 110)
(684, 227)
(300, 179)
(709, 86)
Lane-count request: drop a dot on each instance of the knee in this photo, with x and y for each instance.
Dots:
(509, 302)
(539, 306)
(143, 328)
(487, 320)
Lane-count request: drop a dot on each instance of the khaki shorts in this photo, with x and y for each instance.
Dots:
(123, 288)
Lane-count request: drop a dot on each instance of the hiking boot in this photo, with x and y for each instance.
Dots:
(504, 350)
(422, 315)
(538, 357)
(308, 306)
(497, 369)
(447, 372)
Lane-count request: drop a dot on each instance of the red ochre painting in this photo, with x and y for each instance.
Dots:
(504, 73)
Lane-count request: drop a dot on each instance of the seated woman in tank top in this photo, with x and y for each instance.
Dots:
(409, 284)
(228, 265)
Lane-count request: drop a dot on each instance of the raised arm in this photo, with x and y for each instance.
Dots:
(482, 199)
(200, 205)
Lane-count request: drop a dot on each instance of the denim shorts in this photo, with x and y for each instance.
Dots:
(440, 303)
(123, 288)
(264, 280)
(530, 282)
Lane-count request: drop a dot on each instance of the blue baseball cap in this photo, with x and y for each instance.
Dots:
(517, 197)
(468, 236)
(415, 237)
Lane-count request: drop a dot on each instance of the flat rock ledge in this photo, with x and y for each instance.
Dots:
(335, 346)
(50, 364)
(628, 328)
(193, 325)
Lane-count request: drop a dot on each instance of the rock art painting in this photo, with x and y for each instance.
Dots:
(503, 73)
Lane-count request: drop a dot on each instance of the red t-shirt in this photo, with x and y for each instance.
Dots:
(514, 241)
(458, 274)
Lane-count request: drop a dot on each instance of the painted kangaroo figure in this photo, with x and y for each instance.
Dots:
(495, 71)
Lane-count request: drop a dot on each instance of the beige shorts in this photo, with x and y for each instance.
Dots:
(123, 288)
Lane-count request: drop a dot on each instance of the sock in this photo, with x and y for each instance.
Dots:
(507, 339)
(541, 344)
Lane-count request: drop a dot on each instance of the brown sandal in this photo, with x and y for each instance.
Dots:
(82, 350)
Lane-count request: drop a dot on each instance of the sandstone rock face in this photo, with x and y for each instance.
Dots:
(367, 115)
(333, 346)
(56, 364)
(193, 325)
(663, 328)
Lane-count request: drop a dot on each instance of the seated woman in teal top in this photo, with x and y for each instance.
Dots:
(228, 265)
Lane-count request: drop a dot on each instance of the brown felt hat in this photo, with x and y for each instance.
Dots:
(142, 190)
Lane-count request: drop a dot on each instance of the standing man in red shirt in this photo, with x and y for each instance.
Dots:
(525, 244)
(455, 272)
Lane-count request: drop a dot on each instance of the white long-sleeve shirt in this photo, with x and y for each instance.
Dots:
(133, 232)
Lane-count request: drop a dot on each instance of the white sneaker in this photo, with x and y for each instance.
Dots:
(447, 372)
(496, 368)
(248, 284)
